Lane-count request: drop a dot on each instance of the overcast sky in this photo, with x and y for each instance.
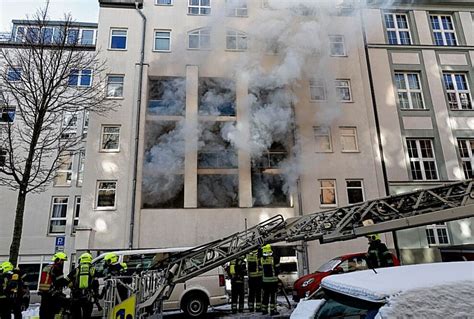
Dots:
(81, 10)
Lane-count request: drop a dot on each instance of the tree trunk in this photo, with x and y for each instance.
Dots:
(17, 230)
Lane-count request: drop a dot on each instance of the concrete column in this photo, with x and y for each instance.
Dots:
(245, 176)
(190, 144)
(422, 24)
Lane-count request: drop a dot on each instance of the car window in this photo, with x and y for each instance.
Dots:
(341, 306)
(355, 264)
(137, 263)
(330, 265)
(288, 267)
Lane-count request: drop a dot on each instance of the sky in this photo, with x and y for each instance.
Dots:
(81, 10)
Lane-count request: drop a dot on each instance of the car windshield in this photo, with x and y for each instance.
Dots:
(341, 306)
(330, 265)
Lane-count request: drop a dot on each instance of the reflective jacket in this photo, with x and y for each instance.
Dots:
(237, 270)
(269, 269)
(254, 266)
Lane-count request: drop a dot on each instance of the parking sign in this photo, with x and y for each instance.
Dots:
(60, 241)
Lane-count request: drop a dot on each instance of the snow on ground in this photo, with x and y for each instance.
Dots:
(307, 309)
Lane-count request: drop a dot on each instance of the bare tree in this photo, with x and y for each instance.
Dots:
(48, 82)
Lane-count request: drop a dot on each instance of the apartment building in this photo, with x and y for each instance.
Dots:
(421, 62)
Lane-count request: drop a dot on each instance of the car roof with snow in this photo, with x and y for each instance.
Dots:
(378, 287)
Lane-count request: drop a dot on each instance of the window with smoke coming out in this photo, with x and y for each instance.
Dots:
(272, 157)
(217, 97)
(268, 190)
(167, 96)
(218, 191)
(215, 152)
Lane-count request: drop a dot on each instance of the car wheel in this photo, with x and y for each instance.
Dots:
(195, 305)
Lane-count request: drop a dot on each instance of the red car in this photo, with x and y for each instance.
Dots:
(347, 263)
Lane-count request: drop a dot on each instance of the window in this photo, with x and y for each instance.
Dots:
(77, 208)
(443, 30)
(322, 136)
(236, 8)
(200, 7)
(57, 223)
(80, 168)
(349, 139)
(69, 126)
(162, 40)
(80, 78)
(317, 90)
(398, 30)
(85, 127)
(3, 157)
(7, 114)
(343, 90)
(106, 194)
(47, 35)
(410, 94)
(14, 74)
(20, 34)
(422, 159)
(118, 39)
(337, 47)
(437, 234)
(236, 40)
(199, 39)
(355, 191)
(466, 147)
(87, 37)
(457, 90)
(72, 36)
(115, 86)
(164, 2)
(327, 195)
(64, 172)
(110, 138)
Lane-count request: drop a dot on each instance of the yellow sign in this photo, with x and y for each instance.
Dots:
(125, 309)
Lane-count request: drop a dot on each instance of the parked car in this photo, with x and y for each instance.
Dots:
(438, 290)
(308, 284)
(193, 297)
(288, 271)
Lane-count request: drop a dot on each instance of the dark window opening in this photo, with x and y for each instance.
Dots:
(217, 97)
(272, 157)
(268, 190)
(214, 151)
(216, 191)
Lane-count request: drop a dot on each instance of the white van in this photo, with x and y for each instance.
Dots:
(193, 297)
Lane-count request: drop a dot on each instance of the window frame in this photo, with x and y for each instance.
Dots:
(353, 187)
(81, 36)
(422, 160)
(241, 37)
(200, 36)
(51, 218)
(408, 90)
(80, 75)
(355, 135)
(108, 83)
(457, 91)
(469, 159)
(331, 43)
(75, 214)
(315, 83)
(322, 135)
(80, 168)
(442, 30)
(14, 73)
(200, 8)
(337, 87)
(163, 4)
(321, 187)
(397, 30)
(155, 38)
(97, 195)
(434, 228)
(111, 37)
(102, 133)
(233, 12)
(69, 171)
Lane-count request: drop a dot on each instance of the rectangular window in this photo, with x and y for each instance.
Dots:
(162, 40)
(410, 94)
(14, 74)
(106, 194)
(85, 127)
(80, 78)
(349, 139)
(327, 195)
(20, 34)
(422, 159)
(236, 40)
(343, 90)
(466, 147)
(322, 136)
(47, 35)
(457, 91)
(437, 234)
(69, 126)
(77, 208)
(57, 223)
(110, 141)
(118, 39)
(398, 29)
(164, 2)
(337, 47)
(115, 85)
(443, 30)
(7, 114)
(72, 36)
(317, 90)
(199, 39)
(80, 169)
(3, 157)
(236, 8)
(200, 7)
(64, 172)
(355, 191)
(87, 37)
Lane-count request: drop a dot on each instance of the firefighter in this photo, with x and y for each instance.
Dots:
(254, 268)
(269, 280)
(14, 288)
(378, 255)
(52, 282)
(5, 305)
(114, 268)
(84, 287)
(237, 272)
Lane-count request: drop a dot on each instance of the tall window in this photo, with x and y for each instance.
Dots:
(110, 138)
(343, 90)
(14, 74)
(106, 193)
(457, 90)
(115, 86)
(80, 78)
(199, 39)
(118, 39)
(410, 94)
(322, 135)
(80, 169)
(355, 191)
(437, 234)
(200, 7)
(466, 148)
(236, 40)
(57, 223)
(77, 208)
(85, 127)
(349, 139)
(317, 90)
(443, 29)
(327, 194)
(64, 172)
(69, 126)
(398, 30)
(236, 8)
(337, 47)
(162, 40)
(422, 159)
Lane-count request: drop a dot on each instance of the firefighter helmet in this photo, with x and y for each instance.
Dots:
(85, 258)
(267, 250)
(6, 266)
(111, 258)
(374, 237)
(60, 256)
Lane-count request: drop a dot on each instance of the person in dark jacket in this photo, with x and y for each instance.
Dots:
(114, 268)
(254, 268)
(237, 271)
(378, 256)
(51, 285)
(270, 266)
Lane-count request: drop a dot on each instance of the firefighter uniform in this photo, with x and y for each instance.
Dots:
(84, 288)
(5, 306)
(254, 269)
(378, 255)
(269, 280)
(237, 272)
(114, 268)
(14, 288)
(52, 282)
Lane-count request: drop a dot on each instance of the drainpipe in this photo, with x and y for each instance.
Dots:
(137, 126)
(377, 123)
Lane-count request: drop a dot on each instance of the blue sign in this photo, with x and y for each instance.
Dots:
(60, 241)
